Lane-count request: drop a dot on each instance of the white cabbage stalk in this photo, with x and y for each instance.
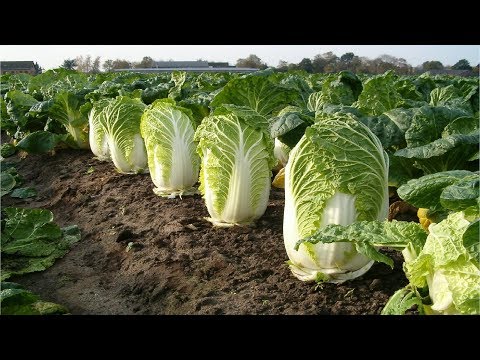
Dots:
(121, 123)
(336, 174)
(169, 132)
(235, 175)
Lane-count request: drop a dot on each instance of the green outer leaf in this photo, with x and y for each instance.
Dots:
(379, 95)
(290, 125)
(401, 170)
(289, 118)
(401, 117)
(407, 89)
(462, 194)
(66, 110)
(178, 78)
(32, 242)
(385, 129)
(7, 183)
(471, 240)
(258, 93)
(18, 105)
(465, 125)
(248, 115)
(24, 193)
(16, 300)
(198, 105)
(340, 89)
(315, 102)
(370, 252)
(428, 124)
(402, 301)
(440, 147)
(425, 191)
(368, 234)
(39, 142)
(30, 231)
(301, 87)
(15, 296)
(449, 96)
(7, 150)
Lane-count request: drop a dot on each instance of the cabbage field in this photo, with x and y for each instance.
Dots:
(218, 193)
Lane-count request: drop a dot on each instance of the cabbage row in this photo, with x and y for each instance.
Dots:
(340, 140)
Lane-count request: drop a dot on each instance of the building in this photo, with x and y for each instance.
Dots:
(191, 66)
(18, 67)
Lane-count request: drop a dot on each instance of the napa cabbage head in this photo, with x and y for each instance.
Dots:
(236, 160)
(120, 120)
(336, 174)
(97, 139)
(168, 132)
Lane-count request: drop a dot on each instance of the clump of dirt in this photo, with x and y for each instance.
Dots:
(143, 254)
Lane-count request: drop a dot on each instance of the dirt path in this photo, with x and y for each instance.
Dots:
(179, 263)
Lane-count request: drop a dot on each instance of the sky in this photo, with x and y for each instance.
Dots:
(52, 56)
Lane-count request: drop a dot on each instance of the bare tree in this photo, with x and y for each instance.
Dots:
(84, 64)
(95, 66)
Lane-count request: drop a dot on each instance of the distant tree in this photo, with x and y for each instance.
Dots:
(121, 64)
(329, 68)
(306, 64)
(330, 57)
(38, 68)
(347, 57)
(418, 69)
(108, 65)
(282, 65)
(331, 62)
(292, 66)
(403, 67)
(462, 65)
(146, 63)
(87, 65)
(95, 66)
(348, 61)
(380, 66)
(388, 59)
(432, 65)
(252, 61)
(69, 64)
(84, 64)
(475, 69)
(319, 63)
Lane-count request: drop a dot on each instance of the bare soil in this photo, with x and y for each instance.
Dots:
(177, 262)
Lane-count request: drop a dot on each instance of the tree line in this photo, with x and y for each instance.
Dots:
(329, 62)
(322, 63)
